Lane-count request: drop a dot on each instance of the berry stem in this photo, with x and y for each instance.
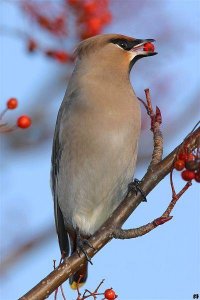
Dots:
(3, 113)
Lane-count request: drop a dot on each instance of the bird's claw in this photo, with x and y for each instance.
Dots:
(80, 248)
(135, 187)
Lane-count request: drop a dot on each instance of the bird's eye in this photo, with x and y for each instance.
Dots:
(124, 45)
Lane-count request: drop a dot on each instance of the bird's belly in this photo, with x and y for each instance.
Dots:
(97, 200)
(98, 167)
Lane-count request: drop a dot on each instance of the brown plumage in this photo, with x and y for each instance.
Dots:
(96, 139)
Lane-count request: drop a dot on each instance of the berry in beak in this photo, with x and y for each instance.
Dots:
(145, 48)
(148, 47)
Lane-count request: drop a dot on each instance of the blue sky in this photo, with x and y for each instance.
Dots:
(162, 265)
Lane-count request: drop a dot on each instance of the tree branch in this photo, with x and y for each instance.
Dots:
(119, 233)
(153, 176)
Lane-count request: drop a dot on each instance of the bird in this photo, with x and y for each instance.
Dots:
(95, 142)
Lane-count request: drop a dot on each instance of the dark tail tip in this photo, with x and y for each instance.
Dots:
(79, 278)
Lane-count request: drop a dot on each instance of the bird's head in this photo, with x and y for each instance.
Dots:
(115, 49)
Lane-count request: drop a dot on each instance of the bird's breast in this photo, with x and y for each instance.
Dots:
(99, 141)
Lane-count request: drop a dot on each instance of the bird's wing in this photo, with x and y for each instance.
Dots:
(63, 237)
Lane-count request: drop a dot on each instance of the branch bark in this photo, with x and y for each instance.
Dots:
(153, 176)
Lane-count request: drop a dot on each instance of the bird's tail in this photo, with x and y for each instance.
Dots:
(79, 278)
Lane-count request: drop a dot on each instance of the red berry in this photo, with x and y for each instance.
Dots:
(186, 156)
(110, 294)
(106, 18)
(182, 156)
(148, 47)
(44, 21)
(12, 103)
(24, 122)
(179, 165)
(85, 35)
(197, 177)
(94, 25)
(73, 2)
(89, 33)
(190, 157)
(61, 56)
(90, 7)
(188, 175)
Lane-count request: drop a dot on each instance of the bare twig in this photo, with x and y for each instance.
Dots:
(62, 292)
(56, 291)
(172, 184)
(4, 128)
(149, 104)
(90, 294)
(156, 120)
(3, 113)
(77, 288)
(174, 200)
(61, 288)
(122, 234)
(142, 230)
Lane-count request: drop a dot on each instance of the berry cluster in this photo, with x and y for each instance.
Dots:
(90, 18)
(42, 14)
(189, 164)
(61, 56)
(23, 121)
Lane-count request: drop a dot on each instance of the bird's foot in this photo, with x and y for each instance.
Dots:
(134, 186)
(80, 247)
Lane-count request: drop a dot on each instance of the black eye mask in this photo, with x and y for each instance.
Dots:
(126, 44)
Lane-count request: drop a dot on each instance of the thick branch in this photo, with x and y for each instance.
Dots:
(103, 235)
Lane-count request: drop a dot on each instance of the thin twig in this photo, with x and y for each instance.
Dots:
(3, 113)
(149, 104)
(56, 291)
(156, 120)
(102, 281)
(175, 198)
(120, 233)
(78, 284)
(62, 292)
(172, 184)
(91, 294)
(145, 105)
(4, 128)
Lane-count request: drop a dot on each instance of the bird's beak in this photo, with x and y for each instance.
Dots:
(144, 47)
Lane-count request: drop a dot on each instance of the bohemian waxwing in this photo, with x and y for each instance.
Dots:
(96, 139)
